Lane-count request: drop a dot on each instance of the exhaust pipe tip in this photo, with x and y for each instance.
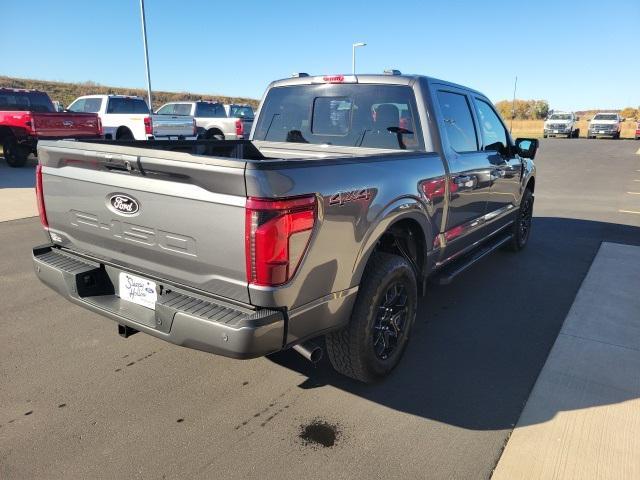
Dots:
(310, 351)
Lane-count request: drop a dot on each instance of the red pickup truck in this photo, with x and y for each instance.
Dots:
(27, 116)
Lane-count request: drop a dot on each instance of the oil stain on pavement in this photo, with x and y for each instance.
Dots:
(319, 433)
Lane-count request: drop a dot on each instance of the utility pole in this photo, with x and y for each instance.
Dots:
(513, 105)
(146, 53)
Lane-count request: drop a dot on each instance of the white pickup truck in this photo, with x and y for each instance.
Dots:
(605, 124)
(213, 119)
(561, 124)
(129, 118)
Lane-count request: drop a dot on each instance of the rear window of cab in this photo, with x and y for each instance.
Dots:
(127, 105)
(350, 115)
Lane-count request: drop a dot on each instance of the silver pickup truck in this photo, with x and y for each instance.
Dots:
(127, 117)
(353, 194)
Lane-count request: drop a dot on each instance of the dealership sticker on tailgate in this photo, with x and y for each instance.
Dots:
(138, 290)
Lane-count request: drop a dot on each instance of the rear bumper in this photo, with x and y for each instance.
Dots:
(32, 141)
(180, 317)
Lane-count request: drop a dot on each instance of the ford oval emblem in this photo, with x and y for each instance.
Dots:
(124, 204)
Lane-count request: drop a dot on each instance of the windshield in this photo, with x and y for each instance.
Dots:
(608, 116)
(350, 115)
(31, 101)
(560, 116)
(127, 105)
(241, 111)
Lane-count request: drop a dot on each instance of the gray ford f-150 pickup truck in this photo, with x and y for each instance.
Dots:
(353, 193)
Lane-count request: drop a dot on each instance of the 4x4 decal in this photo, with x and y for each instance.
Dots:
(341, 198)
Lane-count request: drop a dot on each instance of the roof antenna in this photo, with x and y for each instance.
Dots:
(513, 105)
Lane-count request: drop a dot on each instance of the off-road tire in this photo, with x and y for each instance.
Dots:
(126, 135)
(14, 154)
(520, 235)
(351, 350)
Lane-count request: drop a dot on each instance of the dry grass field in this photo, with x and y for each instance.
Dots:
(66, 92)
(533, 128)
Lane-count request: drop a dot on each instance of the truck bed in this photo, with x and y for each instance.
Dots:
(189, 224)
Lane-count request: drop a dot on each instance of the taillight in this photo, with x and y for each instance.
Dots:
(195, 127)
(239, 128)
(30, 124)
(277, 234)
(148, 126)
(40, 198)
(100, 131)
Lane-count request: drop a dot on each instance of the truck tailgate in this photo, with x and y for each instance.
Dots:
(172, 126)
(66, 125)
(170, 215)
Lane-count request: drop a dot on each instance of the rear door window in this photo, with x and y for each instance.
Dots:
(351, 115)
(127, 105)
(458, 121)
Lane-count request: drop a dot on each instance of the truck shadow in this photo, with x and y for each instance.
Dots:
(480, 343)
(18, 177)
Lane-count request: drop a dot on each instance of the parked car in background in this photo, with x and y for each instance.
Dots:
(212, 120)
(243, 112)
(561, 124)
(27, 116)
(129, 118)
(606, 124)
(58, 106)
(351, 196)
(637, 131)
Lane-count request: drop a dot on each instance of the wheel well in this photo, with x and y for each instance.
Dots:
(405, 238)
(214, 131)
(121, 131)
(4, 133)
(531, 185)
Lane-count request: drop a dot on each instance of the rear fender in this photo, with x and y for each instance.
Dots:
(405, 208)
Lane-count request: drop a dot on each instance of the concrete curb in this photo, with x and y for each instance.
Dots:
(582, 419)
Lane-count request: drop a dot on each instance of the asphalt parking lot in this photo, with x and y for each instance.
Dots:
(77, 401)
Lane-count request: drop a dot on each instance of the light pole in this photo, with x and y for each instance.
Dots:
(146, 53)
(353, 55)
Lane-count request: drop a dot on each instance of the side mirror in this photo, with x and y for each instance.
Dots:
(527, 147)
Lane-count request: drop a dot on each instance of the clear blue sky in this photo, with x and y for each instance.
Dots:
(575, 54)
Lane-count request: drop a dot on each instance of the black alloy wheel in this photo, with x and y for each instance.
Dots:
(388, 329)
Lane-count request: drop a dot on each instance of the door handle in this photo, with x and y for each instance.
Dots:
(465, 182)
(462, 179)
(497, 173)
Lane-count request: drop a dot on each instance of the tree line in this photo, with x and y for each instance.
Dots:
(523, 109)
(539, 110)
